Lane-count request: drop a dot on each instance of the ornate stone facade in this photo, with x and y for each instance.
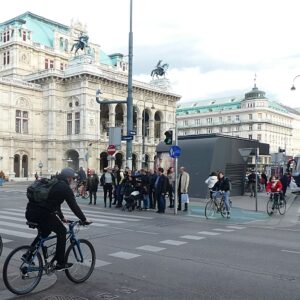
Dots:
(49, 115)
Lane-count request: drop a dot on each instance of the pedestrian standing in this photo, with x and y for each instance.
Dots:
(160, 187)
(171, 186)
(252, 177)
(152, 196)
(108, 182)
(92, 185)
(183, 185)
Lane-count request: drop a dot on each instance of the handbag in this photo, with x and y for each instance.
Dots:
(185, 198)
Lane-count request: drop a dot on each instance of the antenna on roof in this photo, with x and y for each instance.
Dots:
(255, 80)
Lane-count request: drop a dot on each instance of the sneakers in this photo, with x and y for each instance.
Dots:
(228, 215)
(60, 267)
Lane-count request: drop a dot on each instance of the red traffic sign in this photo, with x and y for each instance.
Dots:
(111, 149)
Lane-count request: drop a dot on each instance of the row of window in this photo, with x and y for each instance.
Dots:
(22, 122)
(49, 64)
(6, 36)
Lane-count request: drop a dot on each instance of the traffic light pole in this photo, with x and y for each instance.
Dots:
(176, 170)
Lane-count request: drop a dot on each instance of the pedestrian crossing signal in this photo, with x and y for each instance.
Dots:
(169, 137)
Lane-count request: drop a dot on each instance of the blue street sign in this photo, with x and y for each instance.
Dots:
(127, 137)
(132, 132)
(175, 151)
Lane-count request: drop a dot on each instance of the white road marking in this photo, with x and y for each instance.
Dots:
(17, 233)
(208, 233)
(97, 219)
(298, 211)
(193, 237)
(150, 248)
(9, 224)
(101, 263)
(173, 242)
(290, 251)
(223, 230)
(124, 255)
(6, 241)
(236, 227)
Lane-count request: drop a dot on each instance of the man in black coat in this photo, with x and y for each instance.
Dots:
(160, 187)
(45, 215)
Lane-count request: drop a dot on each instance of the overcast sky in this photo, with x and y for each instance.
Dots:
(214, 47)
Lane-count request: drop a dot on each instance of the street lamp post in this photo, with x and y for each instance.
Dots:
(40, 166)
(143, 135)
(293, 88)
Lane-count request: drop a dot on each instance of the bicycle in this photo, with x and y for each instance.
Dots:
(275, 203)
(21, 274)
(1, 245)
(81, 190)
(213, 206)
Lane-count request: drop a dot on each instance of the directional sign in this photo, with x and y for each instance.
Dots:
(132, 132)
(245, 152)
(127, 137)
(111, 149)
(175, 151)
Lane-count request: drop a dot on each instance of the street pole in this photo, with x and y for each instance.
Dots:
(129, 97)
(176, 170)
(143, 137)
(256, 177)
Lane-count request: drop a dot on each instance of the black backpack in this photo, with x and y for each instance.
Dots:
(38, 191)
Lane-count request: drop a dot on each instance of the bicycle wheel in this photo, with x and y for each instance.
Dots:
(1, 245)
(210, 209)
(22, 277)
(282, 207)
(81, 270)
(223, 210)
(270, 207)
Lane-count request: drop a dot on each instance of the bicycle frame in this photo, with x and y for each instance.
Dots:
(71, 236)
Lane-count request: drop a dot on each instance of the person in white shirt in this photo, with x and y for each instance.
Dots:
(211, 181)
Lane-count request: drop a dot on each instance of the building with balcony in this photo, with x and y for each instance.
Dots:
(49, 115)
(251, 116)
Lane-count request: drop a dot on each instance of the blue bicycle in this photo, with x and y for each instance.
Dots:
(22, 275)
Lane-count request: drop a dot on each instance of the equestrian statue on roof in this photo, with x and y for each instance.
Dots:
(160, 70)
(81, 43)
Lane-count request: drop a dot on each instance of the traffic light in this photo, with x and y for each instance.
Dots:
(169, 137)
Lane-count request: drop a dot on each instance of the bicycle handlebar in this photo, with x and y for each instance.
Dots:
(72, 224)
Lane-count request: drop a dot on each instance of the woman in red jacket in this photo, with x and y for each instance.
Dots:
(274, 185)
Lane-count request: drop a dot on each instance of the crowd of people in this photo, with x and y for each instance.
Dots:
(154, 187)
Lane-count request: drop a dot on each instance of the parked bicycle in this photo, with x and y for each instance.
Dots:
(21, 274)
(275, 204)
(214, 206)
(1, 245)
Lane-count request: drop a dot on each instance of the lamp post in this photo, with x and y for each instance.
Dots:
(40, 165)
(293, 88)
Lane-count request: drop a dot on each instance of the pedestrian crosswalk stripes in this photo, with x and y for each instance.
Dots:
(208, 233)
(17, 233)
(236, 227)
(223, 230)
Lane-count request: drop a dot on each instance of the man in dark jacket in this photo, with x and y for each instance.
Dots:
(45, 215)
(92, 185)
(160, 187)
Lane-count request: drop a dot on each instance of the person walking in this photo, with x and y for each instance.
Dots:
(252, 177)
(92, 186)
(152, 196)
(183, 184)
(108, 182)
(160, 187)
(285, 181)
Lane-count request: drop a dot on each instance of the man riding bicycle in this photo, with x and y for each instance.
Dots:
(222, 187)
(45, 215)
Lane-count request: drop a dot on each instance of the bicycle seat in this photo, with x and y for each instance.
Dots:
(32, 225)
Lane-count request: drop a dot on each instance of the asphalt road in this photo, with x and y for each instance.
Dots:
(144, 255)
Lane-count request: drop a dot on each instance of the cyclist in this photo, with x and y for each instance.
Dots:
(275, 186)
(222, 187)
(45, 215)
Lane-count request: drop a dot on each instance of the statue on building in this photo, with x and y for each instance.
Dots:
(160, 69)
(81, 43)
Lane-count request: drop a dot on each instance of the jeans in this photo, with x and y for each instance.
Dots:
(226, 194)
(161, 202)
(146, 201)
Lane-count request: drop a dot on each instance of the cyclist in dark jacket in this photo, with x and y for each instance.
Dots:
(222, 187)
(45, 215)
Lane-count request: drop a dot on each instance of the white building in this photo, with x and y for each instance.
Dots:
(49, 115)
(251, 116)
